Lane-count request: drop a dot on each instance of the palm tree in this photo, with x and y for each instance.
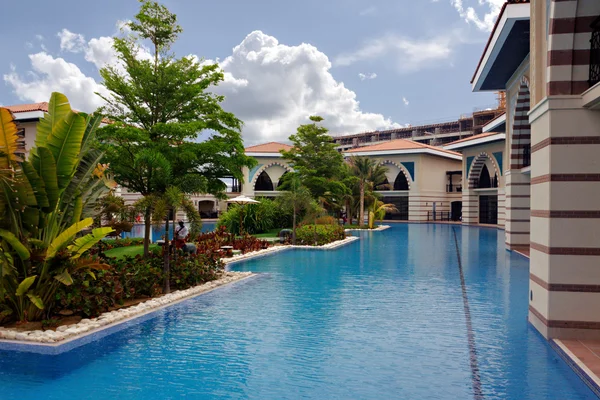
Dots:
(370, 175)
(161, 207)
(379, 210)
(297, 197)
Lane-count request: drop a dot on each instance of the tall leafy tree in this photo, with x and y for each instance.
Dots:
(158, 104)
(318, 163)
(370, 174)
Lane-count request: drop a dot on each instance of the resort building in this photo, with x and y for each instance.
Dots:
(424, 182)
(435, 134)
(263, 179)
(483, 192)
(546, 55)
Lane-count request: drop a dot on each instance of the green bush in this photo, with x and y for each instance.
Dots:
(257, 218)
(132, 278)
(319, 234)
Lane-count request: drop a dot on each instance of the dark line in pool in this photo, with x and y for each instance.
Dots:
(475, 378)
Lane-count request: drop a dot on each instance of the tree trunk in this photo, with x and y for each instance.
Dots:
(361, 212)
(294, 228)
(166, 259)
(147, 226)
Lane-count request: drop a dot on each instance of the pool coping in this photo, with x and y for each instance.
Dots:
(378, 229)
(577, 365)
(55, 342)
(123, 318)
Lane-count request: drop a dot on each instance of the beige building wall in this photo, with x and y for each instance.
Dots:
(426, 176)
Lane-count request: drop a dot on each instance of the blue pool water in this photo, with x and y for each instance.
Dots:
(158, 232)
(383, 318)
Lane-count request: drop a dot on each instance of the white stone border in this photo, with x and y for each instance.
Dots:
(379, 228)
(66, 333)
(276, 249)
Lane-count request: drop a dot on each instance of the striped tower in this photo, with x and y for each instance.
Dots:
(518, 183)
(565, 183)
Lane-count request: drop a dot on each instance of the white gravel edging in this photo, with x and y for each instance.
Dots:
(85, 327)
(379, 228)
(88, 326)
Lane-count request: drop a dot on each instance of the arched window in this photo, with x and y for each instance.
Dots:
(264, 183)
(401, 183)
(281, 179)
(485, 180)
(385, 185)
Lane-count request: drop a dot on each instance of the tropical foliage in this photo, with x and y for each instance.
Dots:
(158, 106)
(46, 202)
(318, 164)
(370, 175)
(262, 217)
(297, 198)
(317, 235)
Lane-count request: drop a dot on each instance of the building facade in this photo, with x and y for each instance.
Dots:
(424, 181)
(546, 55)
(483, 192)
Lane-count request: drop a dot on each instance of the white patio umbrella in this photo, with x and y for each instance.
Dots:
(242, 200)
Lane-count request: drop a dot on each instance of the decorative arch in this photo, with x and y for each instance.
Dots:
(267, 166)
(264, 183)
(520, 143)
(477, 167)
(402, 169)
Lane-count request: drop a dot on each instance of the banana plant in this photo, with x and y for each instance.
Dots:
(46, 204)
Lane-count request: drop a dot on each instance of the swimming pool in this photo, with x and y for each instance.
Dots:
(157, 232)
(382, 318)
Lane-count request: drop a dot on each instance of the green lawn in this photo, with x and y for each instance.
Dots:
(132, 251)
(271, 233)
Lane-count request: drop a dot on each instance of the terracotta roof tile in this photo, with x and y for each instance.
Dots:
(28, 107)
(474, 137)
(400, 144)
(271, 147)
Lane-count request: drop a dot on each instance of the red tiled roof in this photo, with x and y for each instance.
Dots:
(19, 108)
(400, 144)
(271, 147)
(474, 137)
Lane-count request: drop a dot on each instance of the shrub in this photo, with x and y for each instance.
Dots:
(319, 235)
(327, 220)
(257, 218)
(132, 278)
(211, 242)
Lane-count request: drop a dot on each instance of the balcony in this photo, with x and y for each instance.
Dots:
(453, 188)
(595, 53)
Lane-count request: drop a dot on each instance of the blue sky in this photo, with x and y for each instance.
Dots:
(361, 65)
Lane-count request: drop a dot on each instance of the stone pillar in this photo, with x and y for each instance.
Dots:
(501, 207)
(565, 219)
(470, 207)
(517, 205)
(394, 135)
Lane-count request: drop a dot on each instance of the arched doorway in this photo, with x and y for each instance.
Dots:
(401, 183)
(206, 208)
(484, 178)
(281, 179)
(264, 183)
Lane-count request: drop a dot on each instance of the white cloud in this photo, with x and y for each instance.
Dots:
(405, 101)
(470, 14)
(410, 54)
(367, 76)
(273, 88)
(39, 37)
(372, 10)
(55, 74)
(69, 41)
